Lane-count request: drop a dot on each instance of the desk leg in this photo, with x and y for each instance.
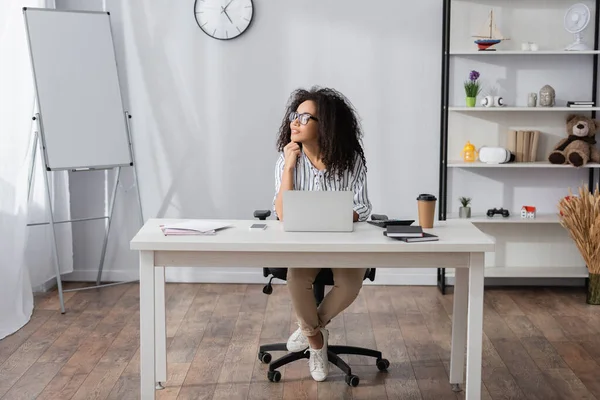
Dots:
(161, 327)
(459, 327)
(147, 328)
(475, 327)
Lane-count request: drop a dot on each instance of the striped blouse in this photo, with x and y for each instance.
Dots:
(307, 177)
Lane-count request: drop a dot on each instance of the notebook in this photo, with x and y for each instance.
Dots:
(427, 237)
(403, 231)
(193, 227)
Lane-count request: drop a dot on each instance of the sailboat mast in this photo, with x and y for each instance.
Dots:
(491, 22)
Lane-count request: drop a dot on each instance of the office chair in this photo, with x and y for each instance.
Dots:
(324, 278)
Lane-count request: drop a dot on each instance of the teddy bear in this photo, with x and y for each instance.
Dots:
(579, 147)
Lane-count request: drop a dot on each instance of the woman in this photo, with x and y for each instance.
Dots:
(319, 141)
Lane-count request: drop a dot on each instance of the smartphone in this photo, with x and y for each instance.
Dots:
(258, 226)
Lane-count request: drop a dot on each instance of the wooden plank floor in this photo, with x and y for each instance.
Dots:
(539, 343)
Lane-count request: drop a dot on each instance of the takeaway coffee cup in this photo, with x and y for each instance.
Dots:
(426, 204)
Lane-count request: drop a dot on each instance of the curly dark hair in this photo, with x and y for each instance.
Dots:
(339, 129)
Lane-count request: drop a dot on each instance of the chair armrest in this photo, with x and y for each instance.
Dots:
(262, 214)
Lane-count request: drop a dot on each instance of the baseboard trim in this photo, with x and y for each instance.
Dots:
(251, 276)
(46, 286)
(564, 282)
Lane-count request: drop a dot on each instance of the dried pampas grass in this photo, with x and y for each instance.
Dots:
(580, 216)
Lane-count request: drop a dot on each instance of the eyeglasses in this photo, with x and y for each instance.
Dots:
(303, 118)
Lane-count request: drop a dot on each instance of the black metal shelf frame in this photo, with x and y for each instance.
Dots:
(444, 98)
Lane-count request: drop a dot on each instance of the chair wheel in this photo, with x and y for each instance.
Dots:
(382, 364)
(274, 376)
(352, 380)
(268, 289)
(264, 357)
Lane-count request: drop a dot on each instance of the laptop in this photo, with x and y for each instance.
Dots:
(318, 211)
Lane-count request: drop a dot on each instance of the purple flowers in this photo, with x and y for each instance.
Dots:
(472, 87)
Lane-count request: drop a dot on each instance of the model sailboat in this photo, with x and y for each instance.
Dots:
(490, 35)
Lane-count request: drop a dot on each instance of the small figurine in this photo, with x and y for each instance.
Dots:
(532, 100)
(528, 212)
(547, 96)
(469, 153)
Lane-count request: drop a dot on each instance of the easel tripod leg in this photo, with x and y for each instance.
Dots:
(32, 168)
(108, 223)
(53, 235)
(34, 148)
(135, 174)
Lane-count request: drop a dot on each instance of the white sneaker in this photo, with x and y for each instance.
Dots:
(318, 362)
(297, 341)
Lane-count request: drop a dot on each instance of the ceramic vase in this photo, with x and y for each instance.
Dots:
(464, 212)
(471, 101)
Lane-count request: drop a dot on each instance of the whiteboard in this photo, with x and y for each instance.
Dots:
(83, 122)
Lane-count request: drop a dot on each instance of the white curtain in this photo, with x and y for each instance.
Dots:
(26, 253)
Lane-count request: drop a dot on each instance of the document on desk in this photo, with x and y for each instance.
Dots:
(193, 227)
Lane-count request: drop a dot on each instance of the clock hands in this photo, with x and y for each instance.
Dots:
(225, 8)
(227, 15)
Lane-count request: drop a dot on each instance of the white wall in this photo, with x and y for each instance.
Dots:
(206, 113)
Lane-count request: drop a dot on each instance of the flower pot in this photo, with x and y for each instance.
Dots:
(593, 292)
(471, 101)
(464, 212)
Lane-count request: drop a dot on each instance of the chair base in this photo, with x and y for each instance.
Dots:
(333, 355)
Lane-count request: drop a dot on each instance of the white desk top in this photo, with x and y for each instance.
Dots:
(454, 236)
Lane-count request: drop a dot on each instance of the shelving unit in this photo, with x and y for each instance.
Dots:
(572, 272)
(514, 218)
(523, 109)
(523, 53)
(532, 164)
(514, 73)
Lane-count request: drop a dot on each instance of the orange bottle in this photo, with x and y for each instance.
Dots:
(469, 153)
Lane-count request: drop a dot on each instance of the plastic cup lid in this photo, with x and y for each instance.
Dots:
(426, 197)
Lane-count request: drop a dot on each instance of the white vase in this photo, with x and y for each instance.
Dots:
(464, 212)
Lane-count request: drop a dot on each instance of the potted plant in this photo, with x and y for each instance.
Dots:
(580, 216)
(472, 88)
(465, 210)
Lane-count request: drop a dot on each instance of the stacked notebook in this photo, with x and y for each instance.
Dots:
(523, 144)
(408, 234)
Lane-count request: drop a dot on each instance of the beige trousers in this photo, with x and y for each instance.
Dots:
(348, 282)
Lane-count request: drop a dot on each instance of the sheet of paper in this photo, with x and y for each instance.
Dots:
(194, 227)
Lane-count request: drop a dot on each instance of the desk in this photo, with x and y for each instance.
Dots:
(461, 246)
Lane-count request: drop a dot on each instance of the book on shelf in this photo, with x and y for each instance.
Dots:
(580, 104)
(523, 144)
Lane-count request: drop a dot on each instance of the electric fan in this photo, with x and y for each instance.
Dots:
(577, 18)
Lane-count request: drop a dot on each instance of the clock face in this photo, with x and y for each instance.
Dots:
(224, 19)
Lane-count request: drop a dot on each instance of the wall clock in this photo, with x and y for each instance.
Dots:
(224, 19)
